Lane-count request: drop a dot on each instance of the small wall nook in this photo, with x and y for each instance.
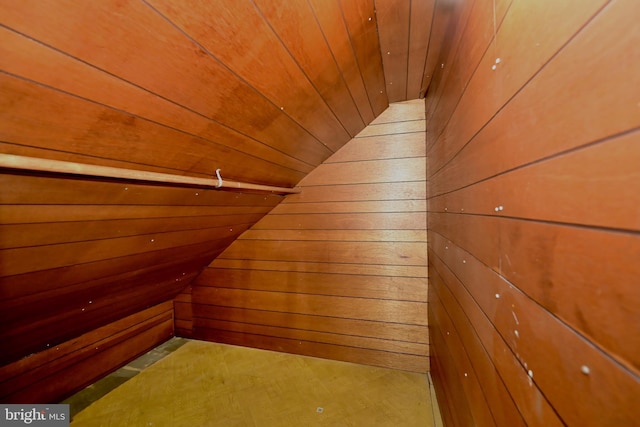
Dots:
(429, 209)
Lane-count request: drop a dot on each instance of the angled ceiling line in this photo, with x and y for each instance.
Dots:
(240, 78)
(164, 98)
(315, 87)
(130, 114)
(335, 60)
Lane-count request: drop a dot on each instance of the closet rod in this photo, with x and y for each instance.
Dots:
(11, 161)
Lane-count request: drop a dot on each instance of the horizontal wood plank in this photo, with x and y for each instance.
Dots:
(393, 253)
(328, 351)
(340, 235)
(316, 337)
(527, 257)
(22, 189)
(337, 268)
(413, 313)
(61, 370)
(353, 192)
(514, 311)
(18, 261)
(345, 221)
(356, 327)
(391, 170)
(394, 288)
(351, 207)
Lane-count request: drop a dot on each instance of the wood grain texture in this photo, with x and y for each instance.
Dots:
(419, 35)
(266, 91)
(394, 18)
(104, 250)
(67, 367)
(359, 17)
(170, 82)
(533, 219)
(339, 272)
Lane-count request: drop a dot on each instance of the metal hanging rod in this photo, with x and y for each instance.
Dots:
(11, 161)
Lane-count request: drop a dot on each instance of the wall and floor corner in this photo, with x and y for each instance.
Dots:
(337, 271)
(534, 214)
(89, 266)
(532, 196)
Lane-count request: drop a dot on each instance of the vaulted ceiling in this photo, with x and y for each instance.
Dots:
(265, 90)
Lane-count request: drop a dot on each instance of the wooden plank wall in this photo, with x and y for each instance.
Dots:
(79, 254)
(533, 147)
(338, 271)
(181, 88)
(67, 367)
(168, 91)
(404, 28)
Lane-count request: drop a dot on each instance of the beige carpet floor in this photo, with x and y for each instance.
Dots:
(207, 384)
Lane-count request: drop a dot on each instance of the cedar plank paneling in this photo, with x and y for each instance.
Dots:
(441, 18)
(162, 87)
(366, 356)
(24, 235)
(176, 69)
(104, 250)
(569, 127)
(36, 62)
(308, 47)
(19, 260)
(335, 269)
(532, 212)
(346, 207)
(349, 192)
(500, 402)
(529, 401)
(392, 346)
(329, 15)
(561, 351)
(407, 333)
(225, 28)
(360, 19)
(451, 377)
(545, 190)
(377, 309)
(479, 32)
(37, 116)
(58, 372)
(393, 21)
(380, 147)
(31, 331)
(341, 221)
(384, 270)
(468, 377)
(399, 253)
(49, 190)
(406, 288)
(35, 213)
(344, 235)
(107, 270)
(528, 256)
(392, 170)
(419, 34)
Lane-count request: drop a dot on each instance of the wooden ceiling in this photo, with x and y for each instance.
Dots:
(265, 90)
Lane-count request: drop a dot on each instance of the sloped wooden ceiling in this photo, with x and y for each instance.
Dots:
(265, 90)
